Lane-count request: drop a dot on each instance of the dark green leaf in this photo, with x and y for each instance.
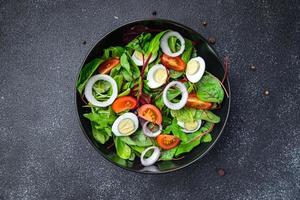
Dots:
(119, 81)
(176, 130)
(175, 74)
(184, 114)
(99, 135)
(123, 150)
(139, 42)
(172, 43)
(168, 154)
(116, 51)
(184, 148)
(137, 139)
(209, 89)
(86, 72)
(186, 55)
(207, 116)
(101, 86)
(127, 76)
(155, 44)
(124, 93)
(125, 64)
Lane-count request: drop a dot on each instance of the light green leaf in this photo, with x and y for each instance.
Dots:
(124, 93)
(123, 150)
(206, 138)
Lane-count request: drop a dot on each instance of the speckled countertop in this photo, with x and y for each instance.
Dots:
(43, 153)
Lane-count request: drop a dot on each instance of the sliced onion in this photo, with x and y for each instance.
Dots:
(149, 133)
(139, 61)
(88, 92)
(184, 95)
(153, 158)
(164, 44)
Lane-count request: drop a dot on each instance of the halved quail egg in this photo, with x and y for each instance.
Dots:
(157, 76)
(195, 69)
(190, 127)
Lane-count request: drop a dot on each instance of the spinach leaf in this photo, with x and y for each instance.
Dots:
(137, 149)
(159, 103)
(139, 42)
(186, 55)
(123, 150)
(175, 74)
(101, 86)
(209, 89)
(102, 117)
(116, 51)
(132, 156)
(185, 114)
(125, 64)
(86, 72)
(115, 71)
(119, 81)
(172, 43)
(137, 139)
(176, 130)
(206, 138)
(124, 93)
(127, 76)
(187, 147)
(207, 116)
(196, 134)
(168, 154)
(155, 44)
(99, 135)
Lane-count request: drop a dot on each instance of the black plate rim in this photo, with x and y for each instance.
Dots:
(148, 172)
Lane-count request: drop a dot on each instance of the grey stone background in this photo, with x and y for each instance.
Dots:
(43, 153)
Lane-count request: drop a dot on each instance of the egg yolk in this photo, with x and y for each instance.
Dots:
(160, 76)
(190, 125)
(126, 126)
(192, 67)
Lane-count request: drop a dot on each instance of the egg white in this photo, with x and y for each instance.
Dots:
(152, 83)
(129, 115)
(181, 124)
(194, 78)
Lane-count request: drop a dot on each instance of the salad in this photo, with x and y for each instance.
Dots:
(152, 99)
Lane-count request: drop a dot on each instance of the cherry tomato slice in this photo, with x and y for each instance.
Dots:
(175, 63)
(108, 65)
(150, 113)
(194, 102)
(124, 103)
(167, 141)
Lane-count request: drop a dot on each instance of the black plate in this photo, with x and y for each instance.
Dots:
(213, 65)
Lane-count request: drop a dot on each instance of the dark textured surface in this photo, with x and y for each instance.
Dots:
(43, 153)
